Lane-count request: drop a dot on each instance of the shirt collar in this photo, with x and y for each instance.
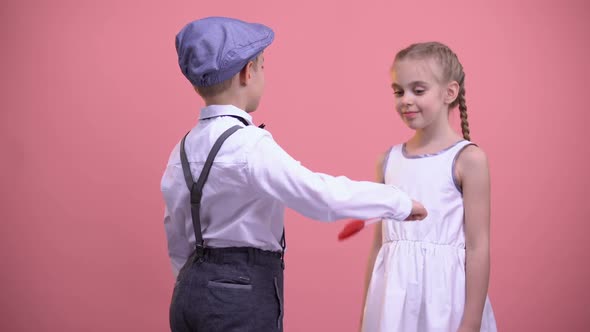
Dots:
(224, 110)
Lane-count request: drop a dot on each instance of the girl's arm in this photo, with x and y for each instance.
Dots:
(473, 174)
(376, 246)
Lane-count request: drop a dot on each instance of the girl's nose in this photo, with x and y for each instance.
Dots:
(407, 100)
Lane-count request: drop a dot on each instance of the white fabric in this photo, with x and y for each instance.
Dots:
(251, 182)
(418, 281)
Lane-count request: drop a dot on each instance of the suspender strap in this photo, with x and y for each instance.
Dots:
(196, 189)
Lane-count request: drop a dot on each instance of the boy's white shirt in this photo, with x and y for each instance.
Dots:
(251, 182)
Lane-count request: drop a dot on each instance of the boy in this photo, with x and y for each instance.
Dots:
(226, 231)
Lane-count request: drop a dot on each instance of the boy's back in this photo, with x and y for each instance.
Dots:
(233, 213)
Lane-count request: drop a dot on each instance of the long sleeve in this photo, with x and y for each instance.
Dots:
(321, 196)
(175, 214)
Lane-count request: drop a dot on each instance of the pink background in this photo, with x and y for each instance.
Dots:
(92, 101)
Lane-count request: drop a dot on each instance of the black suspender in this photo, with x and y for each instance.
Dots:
(196, 189)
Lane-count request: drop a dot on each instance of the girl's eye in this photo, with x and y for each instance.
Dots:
(419, 91)
(398, 93)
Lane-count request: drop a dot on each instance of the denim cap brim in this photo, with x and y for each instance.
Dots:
(214, 49)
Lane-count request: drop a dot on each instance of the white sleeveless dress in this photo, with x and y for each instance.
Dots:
(418, 281)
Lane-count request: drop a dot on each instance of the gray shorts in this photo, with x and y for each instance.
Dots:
(229, 290)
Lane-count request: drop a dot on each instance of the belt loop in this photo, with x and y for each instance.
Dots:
(200, 253)
(283, 248)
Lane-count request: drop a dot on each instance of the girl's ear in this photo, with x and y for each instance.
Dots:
(451, 92)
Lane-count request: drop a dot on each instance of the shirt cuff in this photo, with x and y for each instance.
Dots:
(404, 206)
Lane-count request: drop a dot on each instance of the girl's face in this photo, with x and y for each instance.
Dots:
(419, 93)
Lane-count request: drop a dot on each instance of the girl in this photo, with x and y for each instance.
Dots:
(432, 275)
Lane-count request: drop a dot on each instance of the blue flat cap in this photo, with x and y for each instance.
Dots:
(214, 49)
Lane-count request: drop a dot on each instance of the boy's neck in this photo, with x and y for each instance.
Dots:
(226, 100)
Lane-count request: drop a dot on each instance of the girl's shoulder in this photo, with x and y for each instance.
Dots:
(472, 155)
(383, 159)
(471, 163)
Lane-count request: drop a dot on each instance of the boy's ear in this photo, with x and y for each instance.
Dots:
(452, 92)
(246, 73)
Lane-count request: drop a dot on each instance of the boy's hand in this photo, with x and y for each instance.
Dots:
(418, 212)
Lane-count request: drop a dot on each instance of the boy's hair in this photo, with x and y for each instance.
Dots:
(213, 90)
(452, 70)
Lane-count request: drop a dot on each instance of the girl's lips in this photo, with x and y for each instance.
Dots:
(410, 115)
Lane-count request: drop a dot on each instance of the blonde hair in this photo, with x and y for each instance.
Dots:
(452, 70)
(213, 90)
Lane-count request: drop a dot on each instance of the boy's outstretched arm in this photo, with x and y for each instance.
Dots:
(320, 196)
